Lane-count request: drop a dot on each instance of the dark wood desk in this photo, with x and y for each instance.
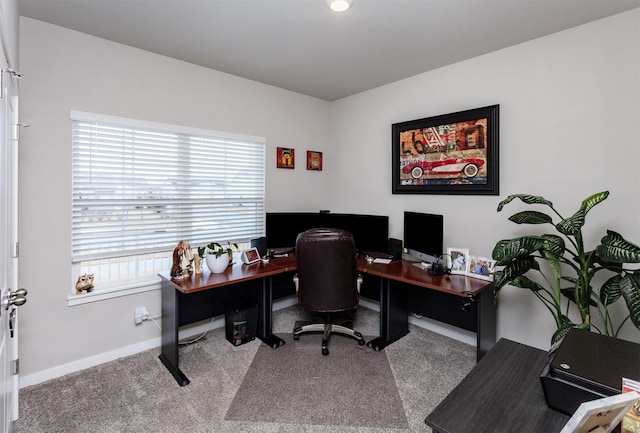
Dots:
(202, 296)
(196, 298)
(394, 314)
(501, 394)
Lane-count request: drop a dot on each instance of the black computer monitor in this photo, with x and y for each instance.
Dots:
(370, 232)
(423, 236)
(282, 228)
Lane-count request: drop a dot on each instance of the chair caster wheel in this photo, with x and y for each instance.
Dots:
(360, 342)
(296, 337)
(325, 351)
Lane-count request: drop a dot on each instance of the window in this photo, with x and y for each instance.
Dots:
(141, 187)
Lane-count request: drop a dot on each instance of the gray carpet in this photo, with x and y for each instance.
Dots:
(136, 394)
(352, 386)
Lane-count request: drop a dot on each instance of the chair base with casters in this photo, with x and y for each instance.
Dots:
(327, 328)
(326, 325)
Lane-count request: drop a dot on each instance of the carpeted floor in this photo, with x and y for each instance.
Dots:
(352, 386)
(137, 394)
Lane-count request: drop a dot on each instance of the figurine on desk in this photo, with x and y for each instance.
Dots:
(182, 261)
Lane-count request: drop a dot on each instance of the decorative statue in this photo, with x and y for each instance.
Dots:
(187, 259)
(197, 263)
(84, 284)
(182, 261)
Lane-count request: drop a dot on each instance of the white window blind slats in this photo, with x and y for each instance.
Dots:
(139, 190)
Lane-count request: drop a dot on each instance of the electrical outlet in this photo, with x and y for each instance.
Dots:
(140, 315)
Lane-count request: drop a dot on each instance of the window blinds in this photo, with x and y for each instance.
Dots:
(141, 187)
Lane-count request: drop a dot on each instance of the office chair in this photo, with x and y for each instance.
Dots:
(327, 282)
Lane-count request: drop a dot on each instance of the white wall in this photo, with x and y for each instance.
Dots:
(569, 127)
(570, 105)
(66, 70)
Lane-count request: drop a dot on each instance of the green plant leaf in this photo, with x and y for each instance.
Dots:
(509, 249)
(571, 226)
(593, 200)
(552, 250)
(615, 249)
(564, 329)
(525, 198)
(524, 282)
(530, 217)
(564, 326)
(514, 269)
(569, 293)
(610, 290)
(554, 244)
(630, 288)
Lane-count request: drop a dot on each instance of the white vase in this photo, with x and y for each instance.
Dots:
(217, 264)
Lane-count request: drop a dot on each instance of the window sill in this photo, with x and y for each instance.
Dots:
(114, 292)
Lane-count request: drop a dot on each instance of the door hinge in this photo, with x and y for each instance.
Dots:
(15, 366)
(15, 250)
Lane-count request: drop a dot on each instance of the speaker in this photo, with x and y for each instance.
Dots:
(260, 244)
(395, 249)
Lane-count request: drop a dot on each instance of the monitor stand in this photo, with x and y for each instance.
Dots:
(423, 265)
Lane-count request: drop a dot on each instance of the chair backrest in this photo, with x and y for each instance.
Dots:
(327, 270)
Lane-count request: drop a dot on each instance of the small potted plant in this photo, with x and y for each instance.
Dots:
(218, 257)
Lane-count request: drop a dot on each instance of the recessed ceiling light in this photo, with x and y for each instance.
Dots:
(339, 5)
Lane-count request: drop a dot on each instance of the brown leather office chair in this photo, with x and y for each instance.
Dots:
(327, 282)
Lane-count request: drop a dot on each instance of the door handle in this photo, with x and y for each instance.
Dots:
(17, 298)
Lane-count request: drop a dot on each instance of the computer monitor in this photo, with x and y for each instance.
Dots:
(423, 236)
(282, 228)
(370, 232)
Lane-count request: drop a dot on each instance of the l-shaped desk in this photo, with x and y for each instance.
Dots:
(201, 296)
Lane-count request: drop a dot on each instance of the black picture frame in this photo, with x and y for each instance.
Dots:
(456, 153)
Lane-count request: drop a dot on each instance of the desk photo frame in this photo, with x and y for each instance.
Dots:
(457, 260)
(601, 415)
(453, 153)
(481, 267)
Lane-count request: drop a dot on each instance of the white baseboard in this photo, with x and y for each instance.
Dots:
(218, 322)
(92, 361)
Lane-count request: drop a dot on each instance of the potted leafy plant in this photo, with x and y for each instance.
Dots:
(218, 256)
(570, 267)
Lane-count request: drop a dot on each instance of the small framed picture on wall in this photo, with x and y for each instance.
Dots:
(285, 157)
(314, 160)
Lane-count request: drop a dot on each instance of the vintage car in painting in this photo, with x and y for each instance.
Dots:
(469, 167)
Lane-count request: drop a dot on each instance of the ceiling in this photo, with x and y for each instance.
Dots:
(301, 45)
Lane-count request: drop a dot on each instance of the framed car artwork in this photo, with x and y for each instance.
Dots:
(453, 153)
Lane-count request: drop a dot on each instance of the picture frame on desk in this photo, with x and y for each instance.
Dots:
(481, 268)
(601, 415)
(457, 260)
(454, 153)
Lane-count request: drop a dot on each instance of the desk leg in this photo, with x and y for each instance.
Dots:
(486, 332)
(265, 332)
(170, 322)
(394, 315)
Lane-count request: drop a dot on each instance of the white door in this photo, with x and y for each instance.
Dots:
(10, 296)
